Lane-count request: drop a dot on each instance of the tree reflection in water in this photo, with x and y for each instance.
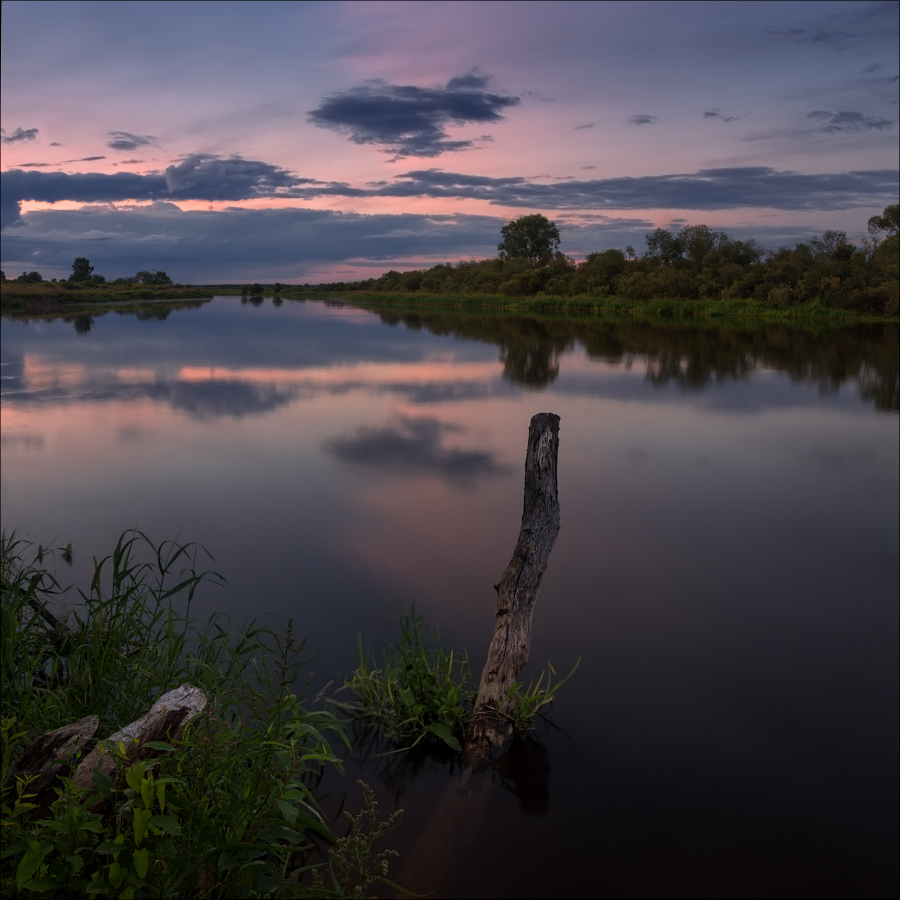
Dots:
(693, 356)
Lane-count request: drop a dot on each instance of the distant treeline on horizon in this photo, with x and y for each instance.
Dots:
(696, 263)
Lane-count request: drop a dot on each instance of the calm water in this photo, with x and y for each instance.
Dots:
(727, 568)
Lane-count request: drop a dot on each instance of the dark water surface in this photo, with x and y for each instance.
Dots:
(727, 568)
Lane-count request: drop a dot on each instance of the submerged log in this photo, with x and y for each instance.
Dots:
(165, 721)
(517, 592)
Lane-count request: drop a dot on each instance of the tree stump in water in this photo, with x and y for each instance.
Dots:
(517, 592)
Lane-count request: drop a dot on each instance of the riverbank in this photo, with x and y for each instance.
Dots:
(165, 818)
(47, 298)
(610, 307)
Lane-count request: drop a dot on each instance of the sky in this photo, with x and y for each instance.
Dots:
(302, 142)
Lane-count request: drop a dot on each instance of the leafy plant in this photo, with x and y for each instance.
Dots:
(424, 693)
(225, 810)
(354, 867)
(419, 693)
(538, 696)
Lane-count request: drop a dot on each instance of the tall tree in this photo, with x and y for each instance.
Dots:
(888, 221)
(81, 269)
(534, 238)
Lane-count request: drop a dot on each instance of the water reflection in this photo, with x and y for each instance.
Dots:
(691, 356)
(523, 769)
(83, 324)
(532, 353)
(416, 447)
(727, 567)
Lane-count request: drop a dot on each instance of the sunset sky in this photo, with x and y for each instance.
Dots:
(308, 142)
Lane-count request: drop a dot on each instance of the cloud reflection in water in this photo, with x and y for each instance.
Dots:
(415, 447)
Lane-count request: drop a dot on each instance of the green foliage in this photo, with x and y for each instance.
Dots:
(30, 278)
(888, 221)
(128, 612)
(422, 693)
(827, 274)
(154, 277)
(354, 867)
(524, 705)
(126, 852)
(81, 269)
(225, 810)
(212, 821)
(533, 238)
(419, 694)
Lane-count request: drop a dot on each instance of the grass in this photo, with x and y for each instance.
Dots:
(423, 693)
(227, 810)
(419, 692)
(16, 297)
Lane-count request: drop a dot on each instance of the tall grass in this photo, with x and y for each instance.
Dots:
(228, 811)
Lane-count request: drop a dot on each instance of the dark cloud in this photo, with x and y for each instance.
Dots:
(411, 121)
(240, 245)
(584, 127)
(50, 187)
(414, 446)
(56, 144)
(210, 178)
(717, 114)
(849, 121)
(199, 177)
(725, 188)
(644, 120)
(874, 67)
(20, 134)
(205, 177)
(43, 165)
(124, 140)
(811, 35)
(291, 244)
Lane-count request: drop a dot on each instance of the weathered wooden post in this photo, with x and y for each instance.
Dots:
(447, 835)
(517, 593)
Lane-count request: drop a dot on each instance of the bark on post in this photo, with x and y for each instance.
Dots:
(517, 593)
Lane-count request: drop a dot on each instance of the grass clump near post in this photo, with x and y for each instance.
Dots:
(419, 693)
(423, 693)
(226, 810)
(537, 696)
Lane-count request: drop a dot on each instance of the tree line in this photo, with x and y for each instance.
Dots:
(693, 263)
(83, 273)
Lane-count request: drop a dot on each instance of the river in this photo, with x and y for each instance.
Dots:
(726, 569)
